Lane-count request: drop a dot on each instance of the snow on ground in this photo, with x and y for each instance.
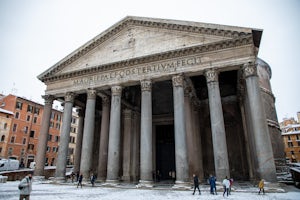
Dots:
(9, 191)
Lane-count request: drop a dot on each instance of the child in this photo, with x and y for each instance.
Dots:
(261, 186)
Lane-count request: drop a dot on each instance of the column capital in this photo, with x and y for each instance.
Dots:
(48, 99)
(177, 80)
(116, 90)
(69, 97)
(91, 93)
(249, 69)
(211, 75)
(146, 85)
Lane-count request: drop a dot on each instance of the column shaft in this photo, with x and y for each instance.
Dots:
(88, 135)
(43, 137)
(78, 141)
(61, 163)
(217, 125)
(103, 149)
(113, 163)
(181, 156)
(127, 145)
(146, 133)
(265, 159)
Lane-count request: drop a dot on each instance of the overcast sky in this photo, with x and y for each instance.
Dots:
(35, 34)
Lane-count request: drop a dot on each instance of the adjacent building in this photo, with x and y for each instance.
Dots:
(291, 138)
(20, 128)
(172, 96)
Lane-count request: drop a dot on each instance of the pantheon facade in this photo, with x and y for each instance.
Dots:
(164, 99)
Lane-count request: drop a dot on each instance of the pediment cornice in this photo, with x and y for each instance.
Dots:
(192, 27)
(231, 43)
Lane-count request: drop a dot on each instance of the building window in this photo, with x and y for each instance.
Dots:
(35, 120)
(71, 151)
(48, 149)
(290, 144)
(17, 115)
(26, 129)
(52, 115)
(19, 105)
(59, 118)
(31, 134)
(49, 137)
(0, 149)
(36, 111)
(57, 126)
(15, 128)
(10, 150)
(24, 140)
(56, 139)
(29, 108)
(12, 139)
(298, 143)
(297, 137)
(5, 126)
(30, 146)
(22, 152)
(73, 120)
(51, 124)
(289, 138)
(2, 138)
(28, 118)
(54, 149)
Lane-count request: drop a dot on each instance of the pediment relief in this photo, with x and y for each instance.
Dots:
(139, 37)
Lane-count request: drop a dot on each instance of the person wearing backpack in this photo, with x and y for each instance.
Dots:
(25, 187)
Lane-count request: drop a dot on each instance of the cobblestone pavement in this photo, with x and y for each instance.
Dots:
(43, 190)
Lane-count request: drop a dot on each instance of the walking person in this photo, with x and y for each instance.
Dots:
(196, 184)
(231, 183)
(80, 180)
(212, 183)
(226, 185)
(25, 187)
(261, 186)
(93, 178)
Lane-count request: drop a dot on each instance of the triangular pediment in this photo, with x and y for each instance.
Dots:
(135, 37)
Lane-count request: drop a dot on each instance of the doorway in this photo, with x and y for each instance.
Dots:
(165, 152)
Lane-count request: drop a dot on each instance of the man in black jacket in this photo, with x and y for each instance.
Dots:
(196, 184)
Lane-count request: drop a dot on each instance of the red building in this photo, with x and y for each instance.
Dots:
(25, 129)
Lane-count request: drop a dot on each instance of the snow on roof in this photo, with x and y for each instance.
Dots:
(6, 111)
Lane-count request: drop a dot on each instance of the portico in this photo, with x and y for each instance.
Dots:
(164, 83)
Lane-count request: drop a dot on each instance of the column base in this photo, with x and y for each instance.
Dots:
(38, 178)
(112, 183)
(181, 185)
(59, 179)
(145, 184)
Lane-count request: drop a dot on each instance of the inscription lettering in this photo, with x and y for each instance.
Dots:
(169, 66)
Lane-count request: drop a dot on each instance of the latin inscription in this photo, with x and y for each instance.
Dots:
(171, 66)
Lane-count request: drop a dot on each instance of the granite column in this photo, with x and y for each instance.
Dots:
(217, 125)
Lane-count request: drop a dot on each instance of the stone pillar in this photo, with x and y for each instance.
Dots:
(78, 141)
(88, 134)
(102, 164)
(265, 159)
(146, 178)
(127, 145)
(181, 155)
(192, 155)
(197, 142)
(43, 137)
(135, 167)
(113, 163)
(61, 163)
(217, 125)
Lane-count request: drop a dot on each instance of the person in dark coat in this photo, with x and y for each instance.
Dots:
(93, 178)
(80, 180)
(212, 183)
(196, 184)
